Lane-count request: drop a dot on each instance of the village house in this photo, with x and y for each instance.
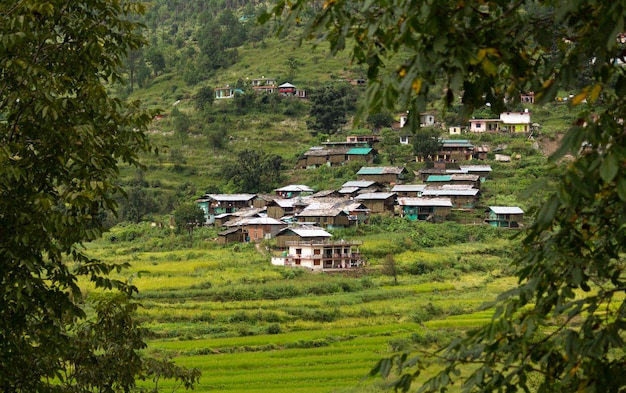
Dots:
(259, 228)
(408, 190)
(280, 208)
(262, 200)
(318, 155)
(481, 170)
(427, 119)
(214, 204)
(300, 233)
(452, 150)
(366, 154)
(325, 194)
(226, 92)
(378, 202)
(371, 140)
(484, 125)
(462, 198)
(287, 89)
(294, 190)
(230, 235)
(383, 174)
(425, 209)
(263, 82)
(455, 130)
(324, 216)
(527, 98)
(352, 188)
(455, 178)
(321, 254)
(504, 216)
(515, 121)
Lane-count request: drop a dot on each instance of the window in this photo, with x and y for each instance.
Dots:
(317, 251)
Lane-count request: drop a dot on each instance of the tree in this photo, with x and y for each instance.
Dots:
(380, 119)
(425, 142)
(204, 97)
(391, 147)
(62, 140)
(182, 123)
(293, 64)
(157, 60)
(330, 106)
(562, 327)
(187, 216)
(253, 171)
(390, 268)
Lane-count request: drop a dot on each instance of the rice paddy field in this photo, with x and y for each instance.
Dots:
(253, 327)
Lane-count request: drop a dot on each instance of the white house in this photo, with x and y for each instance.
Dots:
(321, 254)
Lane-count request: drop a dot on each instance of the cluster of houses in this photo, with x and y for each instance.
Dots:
(263, 85)
(297, 216)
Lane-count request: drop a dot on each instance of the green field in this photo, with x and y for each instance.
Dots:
(251, 326)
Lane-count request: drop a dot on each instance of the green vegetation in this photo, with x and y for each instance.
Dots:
(248, 325)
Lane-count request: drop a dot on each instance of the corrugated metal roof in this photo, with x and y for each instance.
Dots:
(375, 195)
(506, 209)
(358, 183)
(450, 192)
(296, 188)
(307, 232)
(231, 197)
(408, 187)
(381, 170)
(444, 178)
(438, 202)
(476, 168)
(360, 151)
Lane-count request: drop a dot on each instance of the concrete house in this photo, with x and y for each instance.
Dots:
(425, 209)
(378, 202)
(321, 255)
(259, 228)
(226, 92)
(504, 216)
(383, 174)
(515, 121)
(484, 125)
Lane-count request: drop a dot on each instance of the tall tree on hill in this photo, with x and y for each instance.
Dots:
(62, 142)
(253, 171)
(330, 107)
(562, 328)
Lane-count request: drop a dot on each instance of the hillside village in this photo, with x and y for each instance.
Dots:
(295, 218)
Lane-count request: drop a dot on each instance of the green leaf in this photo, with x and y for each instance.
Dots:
(609, 168)
(621, 188)
(385, 367)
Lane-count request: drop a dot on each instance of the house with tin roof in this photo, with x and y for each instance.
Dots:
(305, 233)
(294, 190)
(504, 216)
(462, 198)
(408, 190)
(366, 154)
(214, 204)
(383, 174)
(425, 209)
(378, 202)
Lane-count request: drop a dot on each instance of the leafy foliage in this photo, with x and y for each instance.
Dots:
(330, 107)
(62, 139)
(562, 328)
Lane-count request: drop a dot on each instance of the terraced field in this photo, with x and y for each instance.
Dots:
(250, 326)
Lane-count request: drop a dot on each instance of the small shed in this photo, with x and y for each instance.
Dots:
(409, 190)
(231, 235)
(366, 154)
